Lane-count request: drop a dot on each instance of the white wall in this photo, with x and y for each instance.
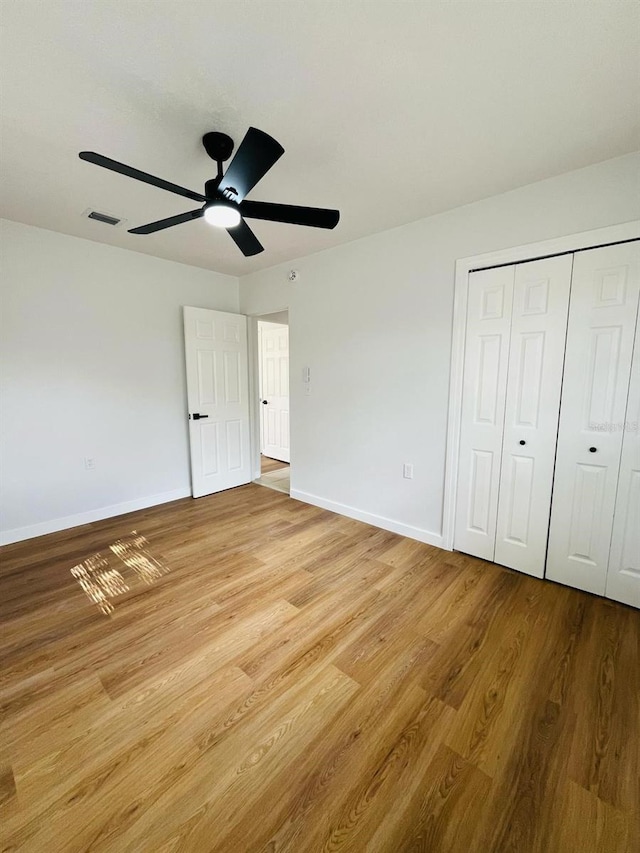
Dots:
(373, 321)
(92, 365)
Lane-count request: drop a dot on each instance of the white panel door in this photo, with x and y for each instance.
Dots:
(218, 399)
(274, 379)
(623, 576)
(484, 388)
(602, 318)
(538, 333)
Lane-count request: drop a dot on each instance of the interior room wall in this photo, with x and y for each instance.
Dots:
(92, 367)
(372, 320)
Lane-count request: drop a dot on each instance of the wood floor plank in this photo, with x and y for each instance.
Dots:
(486, 717)
(589, 824)
(604, 756)
(450, 786)
(535, 752)
(245, 761)
(321, 631)
(354, 745)
(55, 700)
(267, 464)
(7, 785)
(357, 819)
(462, 653)
(278, 678)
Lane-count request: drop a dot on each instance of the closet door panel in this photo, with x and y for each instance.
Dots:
(602, 317)
(484, 388)
(623, 576)
(538, 333)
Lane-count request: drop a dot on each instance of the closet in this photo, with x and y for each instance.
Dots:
(549, 453)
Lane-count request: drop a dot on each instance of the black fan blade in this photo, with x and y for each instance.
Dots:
(293, 214)
(245, 239)
(168, 223)
(130, 172)
(257, 153)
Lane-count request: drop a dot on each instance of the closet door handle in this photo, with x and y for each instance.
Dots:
(522, 441)
(592, 449)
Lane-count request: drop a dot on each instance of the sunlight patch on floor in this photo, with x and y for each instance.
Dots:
(101, 575)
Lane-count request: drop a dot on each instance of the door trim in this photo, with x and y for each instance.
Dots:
(557, 246)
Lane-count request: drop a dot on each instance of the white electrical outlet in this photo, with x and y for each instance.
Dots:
(407, 471)
(89, 463)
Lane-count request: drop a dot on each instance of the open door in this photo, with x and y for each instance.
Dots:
(274, 389)
(218, 399)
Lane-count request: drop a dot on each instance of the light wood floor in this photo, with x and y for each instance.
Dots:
(267, 464)
(275, 474)
(277, 678)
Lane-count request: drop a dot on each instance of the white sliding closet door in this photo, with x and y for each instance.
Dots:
(484, 390)
(538, 333)
(623, 576)
(602, 319)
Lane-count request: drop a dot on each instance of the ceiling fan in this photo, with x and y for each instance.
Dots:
(224, 203)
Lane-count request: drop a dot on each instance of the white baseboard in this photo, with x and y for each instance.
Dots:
(18, 534)
(369, 518)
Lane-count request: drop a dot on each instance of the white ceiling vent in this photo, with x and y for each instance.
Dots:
(106, 218)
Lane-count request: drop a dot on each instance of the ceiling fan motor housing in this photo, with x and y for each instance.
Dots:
(211, 188)
(218, 146)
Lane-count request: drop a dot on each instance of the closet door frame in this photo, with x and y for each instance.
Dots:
(532, 251)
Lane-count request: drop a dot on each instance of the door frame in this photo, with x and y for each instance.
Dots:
(254, 384)
(518, 254)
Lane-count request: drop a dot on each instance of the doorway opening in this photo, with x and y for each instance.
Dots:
(273, 408)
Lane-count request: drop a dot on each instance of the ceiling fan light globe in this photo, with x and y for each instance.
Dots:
(222, 215)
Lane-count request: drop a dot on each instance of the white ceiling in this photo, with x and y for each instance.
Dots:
(389, 111)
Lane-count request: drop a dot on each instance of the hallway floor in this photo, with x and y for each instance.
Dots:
(275, 475)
